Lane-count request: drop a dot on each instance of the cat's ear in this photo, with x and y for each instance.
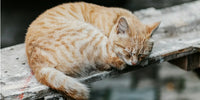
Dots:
(122, 26)
(152, 28)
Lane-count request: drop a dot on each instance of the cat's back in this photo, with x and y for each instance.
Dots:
(58, 16)
(69, 12)
(66, 13)
(62, 27)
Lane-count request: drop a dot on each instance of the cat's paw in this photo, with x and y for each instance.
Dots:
(104, 67)
(121, 67)
(119, 64)
(116, 62)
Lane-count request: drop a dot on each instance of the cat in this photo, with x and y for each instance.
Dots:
(67, 41)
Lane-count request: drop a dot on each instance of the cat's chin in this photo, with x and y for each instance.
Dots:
(130, 64)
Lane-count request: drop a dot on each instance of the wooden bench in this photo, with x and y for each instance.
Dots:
(177, 41)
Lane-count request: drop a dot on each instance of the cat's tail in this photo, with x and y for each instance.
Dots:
(61, 82)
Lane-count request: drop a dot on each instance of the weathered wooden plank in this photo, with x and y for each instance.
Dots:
(178, 36)
(189, 62)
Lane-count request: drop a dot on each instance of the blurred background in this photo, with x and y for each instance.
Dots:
(16, 15)
(158, 82)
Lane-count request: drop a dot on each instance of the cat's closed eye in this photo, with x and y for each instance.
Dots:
(128, 56)
(141, 56)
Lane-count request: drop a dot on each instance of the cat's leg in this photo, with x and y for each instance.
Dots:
(61, 82)
(105, 67)
(117, 63)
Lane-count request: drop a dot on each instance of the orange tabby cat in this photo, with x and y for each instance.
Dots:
(71, 39)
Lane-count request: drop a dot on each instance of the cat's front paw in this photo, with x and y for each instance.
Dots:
(121, 67)
(119, 64)
(104, 67)
(116, 63)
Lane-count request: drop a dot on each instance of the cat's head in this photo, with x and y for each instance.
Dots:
(131, 43)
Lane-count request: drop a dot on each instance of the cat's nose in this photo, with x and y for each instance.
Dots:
(133, 63)
(134, 60)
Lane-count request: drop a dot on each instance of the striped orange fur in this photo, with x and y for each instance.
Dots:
(67, 41)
